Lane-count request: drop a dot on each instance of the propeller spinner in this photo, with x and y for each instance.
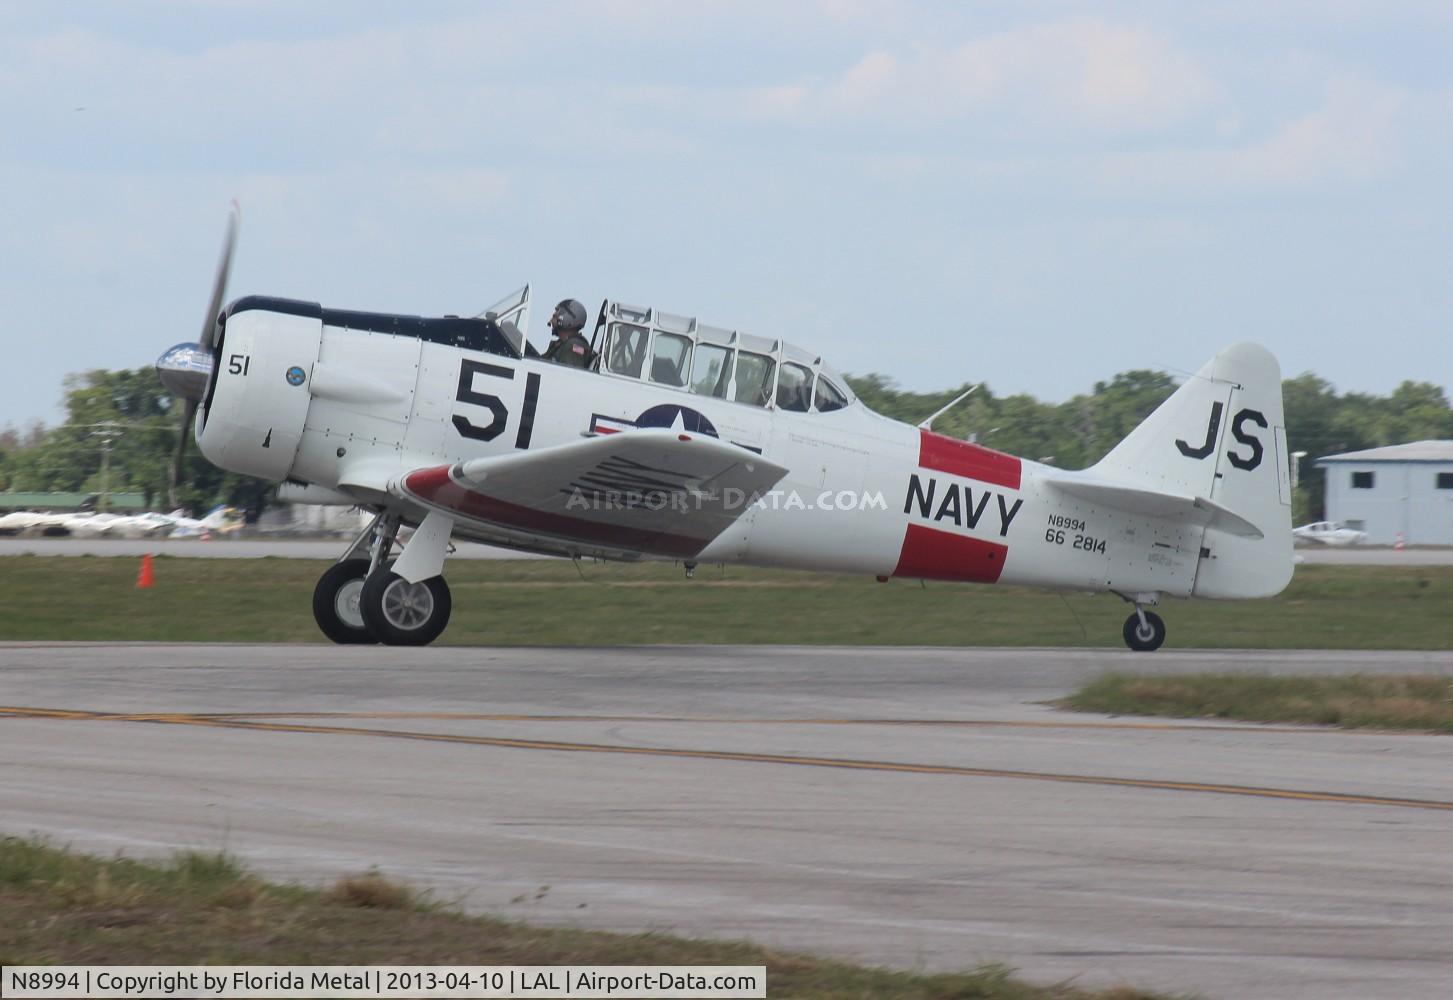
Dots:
(185, 370)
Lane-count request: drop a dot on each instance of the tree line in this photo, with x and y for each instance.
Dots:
(121, 426)
(118, 437)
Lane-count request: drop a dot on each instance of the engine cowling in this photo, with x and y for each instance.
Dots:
(252, 419)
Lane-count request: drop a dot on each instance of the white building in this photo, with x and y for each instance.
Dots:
(1402, 490)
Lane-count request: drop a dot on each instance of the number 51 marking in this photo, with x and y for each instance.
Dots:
(499, 413)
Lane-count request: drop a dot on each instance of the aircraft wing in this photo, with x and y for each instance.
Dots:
(653, 492)
(1154, 503)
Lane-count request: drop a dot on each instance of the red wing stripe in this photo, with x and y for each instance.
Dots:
(434, 486)
(959, 458)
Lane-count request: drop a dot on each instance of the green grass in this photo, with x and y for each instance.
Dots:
(1357, 701)
(550, 603)
(63, 908)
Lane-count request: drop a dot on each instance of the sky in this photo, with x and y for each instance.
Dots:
(1034, 195)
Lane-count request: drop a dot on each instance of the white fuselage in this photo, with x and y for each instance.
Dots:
(351, 411)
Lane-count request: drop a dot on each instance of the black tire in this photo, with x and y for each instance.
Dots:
(1138, 639)
(336, 603)
(400, 613)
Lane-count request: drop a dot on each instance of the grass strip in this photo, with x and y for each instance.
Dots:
(64, 908)
(1405, 701)
(549, 602)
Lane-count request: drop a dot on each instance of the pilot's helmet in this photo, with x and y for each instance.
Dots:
(569, 317)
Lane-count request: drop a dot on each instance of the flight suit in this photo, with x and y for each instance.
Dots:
(573, 350)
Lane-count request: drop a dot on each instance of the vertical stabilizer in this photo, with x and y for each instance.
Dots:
(1222, 436)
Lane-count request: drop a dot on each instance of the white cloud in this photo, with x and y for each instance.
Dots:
(1076, 72)
(1352, 136)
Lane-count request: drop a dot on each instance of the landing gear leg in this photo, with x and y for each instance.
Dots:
(1144, 631)
(406, 602)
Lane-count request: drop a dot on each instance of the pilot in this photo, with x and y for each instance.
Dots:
(568, 347)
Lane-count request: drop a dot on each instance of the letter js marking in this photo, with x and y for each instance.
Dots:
(1238, 431)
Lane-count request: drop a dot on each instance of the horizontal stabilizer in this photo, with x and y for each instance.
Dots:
(1153, 503)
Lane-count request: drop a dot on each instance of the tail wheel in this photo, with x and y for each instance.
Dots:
(1144, 638)
(336, 603)
(400, 613)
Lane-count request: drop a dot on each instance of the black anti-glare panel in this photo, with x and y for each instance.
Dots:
(470, 334)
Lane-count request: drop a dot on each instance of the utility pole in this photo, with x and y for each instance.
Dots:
(107, 432)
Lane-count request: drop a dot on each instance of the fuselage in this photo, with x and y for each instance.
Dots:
(349, 410)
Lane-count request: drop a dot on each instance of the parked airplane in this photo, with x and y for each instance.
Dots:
(21, 522)
(220, 520)
(687, 442)
(47, 523)
(1329, 533)
(85, 524)
(150, 524)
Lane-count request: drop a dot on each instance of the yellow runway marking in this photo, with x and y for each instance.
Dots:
(225, 721)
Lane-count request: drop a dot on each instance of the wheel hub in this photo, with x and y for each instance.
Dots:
(408, 606)
(346, 603)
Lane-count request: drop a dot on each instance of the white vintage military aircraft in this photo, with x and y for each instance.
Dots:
(693, 443)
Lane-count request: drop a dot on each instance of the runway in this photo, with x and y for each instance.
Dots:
(919, 808)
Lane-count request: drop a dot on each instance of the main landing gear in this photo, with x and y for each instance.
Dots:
(367, 598)
(1144, 631)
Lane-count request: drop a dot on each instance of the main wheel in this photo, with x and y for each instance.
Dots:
(1144, 639)
(400, 613)
(335, 603)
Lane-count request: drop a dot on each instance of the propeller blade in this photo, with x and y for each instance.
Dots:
(184, 431)
(219, 286)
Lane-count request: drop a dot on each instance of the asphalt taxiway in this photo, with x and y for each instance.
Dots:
(912, 807)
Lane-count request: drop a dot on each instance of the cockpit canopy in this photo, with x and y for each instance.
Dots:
(682, 353)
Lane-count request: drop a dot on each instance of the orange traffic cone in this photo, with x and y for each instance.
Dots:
(145, 578)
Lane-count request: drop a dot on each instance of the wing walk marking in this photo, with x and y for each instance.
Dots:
(630, 464)
(617, 473)
(620, 482)
(626, 466)
(842, 763)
